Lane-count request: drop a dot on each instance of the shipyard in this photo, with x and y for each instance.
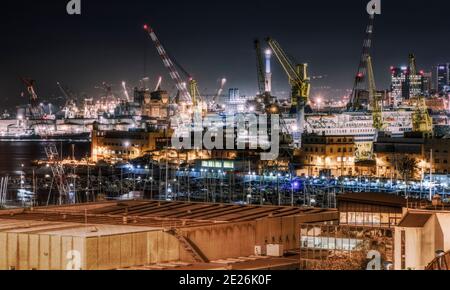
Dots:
(275, 165)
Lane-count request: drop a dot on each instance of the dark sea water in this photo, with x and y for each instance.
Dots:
(14, 154)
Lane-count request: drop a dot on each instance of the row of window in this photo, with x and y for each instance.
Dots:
(316, 140)
(322, 150)
(369, 219)
(120, 145)
(218, 164)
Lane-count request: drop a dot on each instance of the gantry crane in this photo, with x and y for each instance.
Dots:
(376, 103)
(51, 150)
(361, 75)
(422, 121)
(299, 81)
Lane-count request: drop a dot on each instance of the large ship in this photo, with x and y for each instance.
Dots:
(359, 125)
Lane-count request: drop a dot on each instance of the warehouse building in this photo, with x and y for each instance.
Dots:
(117, 235)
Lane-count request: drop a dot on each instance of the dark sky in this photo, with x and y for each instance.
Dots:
(211, 39)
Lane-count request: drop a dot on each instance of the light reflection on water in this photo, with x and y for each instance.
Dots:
(16, 162)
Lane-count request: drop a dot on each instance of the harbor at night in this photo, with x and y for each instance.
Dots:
(224, 136)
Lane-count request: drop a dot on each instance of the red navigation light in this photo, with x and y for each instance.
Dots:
(146, 27)
(360, 75)
(422, 72)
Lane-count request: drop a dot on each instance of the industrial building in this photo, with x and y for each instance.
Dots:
(422, 236)
(118, 235)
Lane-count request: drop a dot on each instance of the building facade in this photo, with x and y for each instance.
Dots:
(126, 145)
(391, 152)
(405, 86)
(442, 77)
(327, 155)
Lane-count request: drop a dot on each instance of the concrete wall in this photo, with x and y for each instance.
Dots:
(138, 249)
(239, 239)
(44, 252)
(39, 252)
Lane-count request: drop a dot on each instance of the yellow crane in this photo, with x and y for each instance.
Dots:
(299, 81)
(376, 105)
(422, 121)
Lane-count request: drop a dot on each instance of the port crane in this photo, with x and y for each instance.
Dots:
(186, 95)
(299, 81)
(214, 105)
(51, 150)
(35, 109)
(376, 103)
(422, 121)
(361, 75)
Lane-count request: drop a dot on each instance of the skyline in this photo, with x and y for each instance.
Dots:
(107, 43)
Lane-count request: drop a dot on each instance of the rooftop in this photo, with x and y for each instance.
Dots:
(381, 199)
(156, 214)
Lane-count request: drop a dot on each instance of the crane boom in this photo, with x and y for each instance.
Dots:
(297, 74)
(169, 64)
(300, 84)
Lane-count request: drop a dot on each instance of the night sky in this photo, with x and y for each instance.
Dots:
(211, 39)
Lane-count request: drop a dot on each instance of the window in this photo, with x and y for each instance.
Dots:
(228, 165)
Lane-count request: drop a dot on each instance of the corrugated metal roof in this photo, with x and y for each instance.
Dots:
(158, 214)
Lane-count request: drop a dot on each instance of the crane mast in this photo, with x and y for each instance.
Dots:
(299, 81)
(361, 75)
(377, 109)
(422, 121)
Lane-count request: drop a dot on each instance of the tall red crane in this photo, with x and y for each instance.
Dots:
(361, 80)
(169, 64)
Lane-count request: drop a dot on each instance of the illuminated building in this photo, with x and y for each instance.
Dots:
(125, 145)
(327, 155)
(370, 209)
(442, 77)
(154, 105)
(405, 86)
(391, 151)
